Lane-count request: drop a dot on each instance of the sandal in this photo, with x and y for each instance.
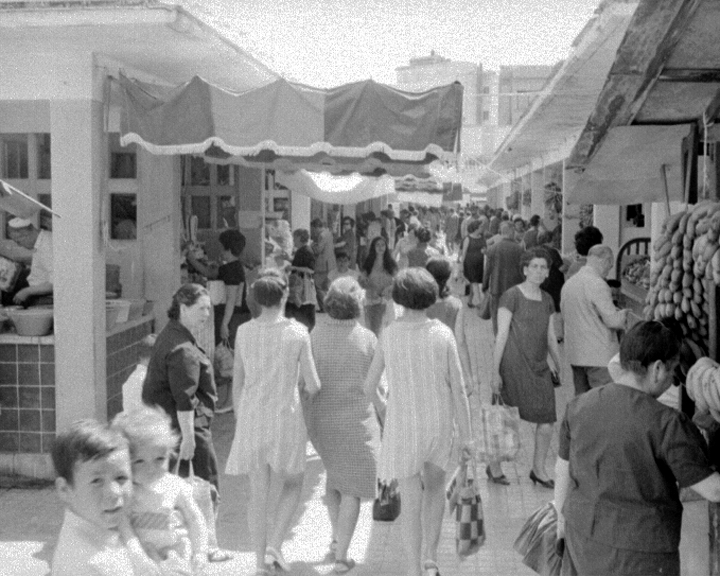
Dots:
(431, 568)
(219, 555)
(333, 549)
(343, 566)
(275, 558)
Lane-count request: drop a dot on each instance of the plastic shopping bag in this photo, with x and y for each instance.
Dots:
(499, 436)
(537, 542)
(469, 518)
(224, 359)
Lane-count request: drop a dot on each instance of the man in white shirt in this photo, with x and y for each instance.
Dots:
(40, 280)
(591, 321)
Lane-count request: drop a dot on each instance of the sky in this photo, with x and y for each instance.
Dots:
(327, 43)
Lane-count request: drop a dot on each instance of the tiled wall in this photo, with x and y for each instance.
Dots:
(27, 386)
(122, 357)
(27, 397)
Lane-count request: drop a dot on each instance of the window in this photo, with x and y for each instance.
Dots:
(226, 212)
(635, 215)
(42, 141)
(209, 191)
(123, 216)
(123, 159)
(15, 156)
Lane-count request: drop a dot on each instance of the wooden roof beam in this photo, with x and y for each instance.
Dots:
(654, 31)
(691, 75)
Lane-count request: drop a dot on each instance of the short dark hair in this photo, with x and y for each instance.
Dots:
(473, 225)
(341, 254)
(83, 441)
(188, 294)
(530, 255)
(645, 343)
(586, 238)
(348, 219)
(270, 287)
(415, 288)
(423, 234)
(302, 235)
(441, 270)
(233, 241)
(545, 237)
(534, 220)
(317, 223)
(342, 301)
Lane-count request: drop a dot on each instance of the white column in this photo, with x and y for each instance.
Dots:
(78, 160)
(159, 225)
(537, 183)
(300, 211)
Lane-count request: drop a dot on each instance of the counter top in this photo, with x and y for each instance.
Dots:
(12, 338)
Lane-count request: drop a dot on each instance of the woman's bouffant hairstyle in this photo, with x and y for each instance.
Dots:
(343, 299)
(389, 264)
(83, 441)
(586, 238)
(474, 225)
(270, 287)
(146, 426)
(233, 241)
(645, 343)
(415, 288)
(188, 294)
(423, 234)
(441, 269)
(530, 255)
(302, 235)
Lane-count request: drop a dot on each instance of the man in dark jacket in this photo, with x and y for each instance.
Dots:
(502, 269)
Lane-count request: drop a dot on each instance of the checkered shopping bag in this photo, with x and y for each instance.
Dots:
(469, 520)
(498, 437)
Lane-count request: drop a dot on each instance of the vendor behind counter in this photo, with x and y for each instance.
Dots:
(37, 286)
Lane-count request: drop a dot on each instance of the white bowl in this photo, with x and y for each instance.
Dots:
(32, 321)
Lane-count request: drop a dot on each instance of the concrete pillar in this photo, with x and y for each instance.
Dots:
(300, 211)
(79, 155)
(159, 225)
(571, 212)
(537, 184)
(607, 219)
(250, 200)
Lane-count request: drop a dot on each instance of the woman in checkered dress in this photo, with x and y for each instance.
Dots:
(341, 420)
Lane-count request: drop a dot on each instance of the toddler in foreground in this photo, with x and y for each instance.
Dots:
(163, 513)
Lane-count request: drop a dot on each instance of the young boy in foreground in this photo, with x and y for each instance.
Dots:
(92, 464)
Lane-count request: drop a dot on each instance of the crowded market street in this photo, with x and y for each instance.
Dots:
(32, 518)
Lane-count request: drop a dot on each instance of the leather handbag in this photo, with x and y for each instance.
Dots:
(386, 507)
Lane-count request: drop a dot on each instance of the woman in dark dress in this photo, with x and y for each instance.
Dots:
(525, 335)
(472, 257)
(302, 299)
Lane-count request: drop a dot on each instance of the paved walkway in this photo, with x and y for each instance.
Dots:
(30, 517)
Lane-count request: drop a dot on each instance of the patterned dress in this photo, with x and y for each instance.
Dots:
(341, 420)
(160, 525)
(269, 422)
(421, 361)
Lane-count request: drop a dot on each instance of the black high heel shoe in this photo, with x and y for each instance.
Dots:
(502, 479)
(544, 483)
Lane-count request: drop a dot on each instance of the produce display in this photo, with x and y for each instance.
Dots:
(686, 257)
(638, 272)
(703, 386)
